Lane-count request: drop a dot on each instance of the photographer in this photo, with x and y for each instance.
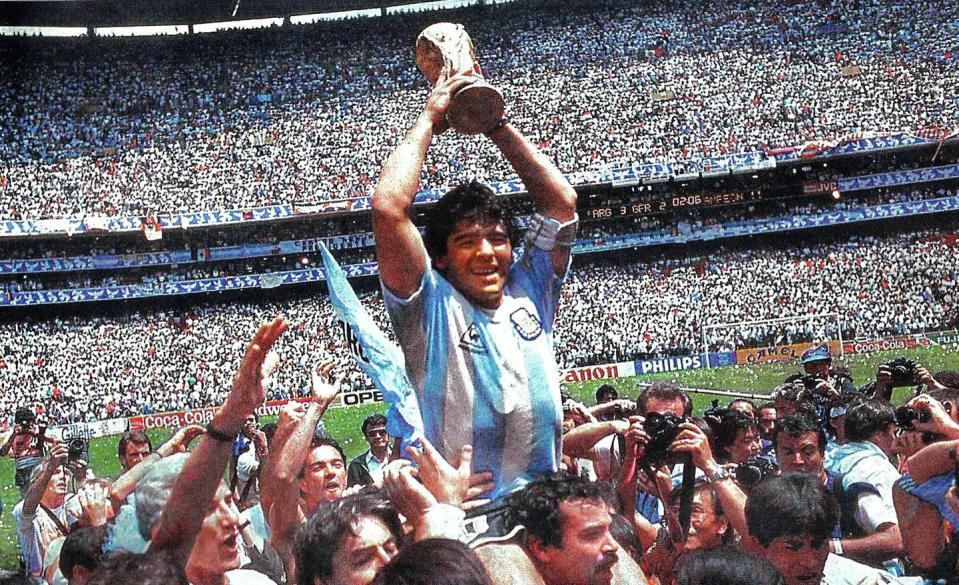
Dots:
(817, 363)
(26, 444)
(903, 372)
(43, 515)
(601, 441)
(864, 477)
(717, 501)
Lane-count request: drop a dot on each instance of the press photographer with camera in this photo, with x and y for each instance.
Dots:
(602, 441)
(26, 443)
(821, 376)
(901, 372)
(715, 501)
(43, 515)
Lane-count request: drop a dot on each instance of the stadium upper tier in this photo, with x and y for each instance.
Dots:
(167, 359)
(307, 114)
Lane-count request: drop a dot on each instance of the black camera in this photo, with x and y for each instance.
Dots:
(903, 371)
(662, 430)
(753, 470)
(811, 381)
(906, 417)
(715, 414)
(76, 448)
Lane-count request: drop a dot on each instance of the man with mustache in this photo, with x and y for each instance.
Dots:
(567, 537)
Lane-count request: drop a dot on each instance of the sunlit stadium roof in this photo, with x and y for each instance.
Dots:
(126, 13)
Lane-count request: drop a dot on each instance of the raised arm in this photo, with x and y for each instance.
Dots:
(58, 457)
(400, 252)
(196, 486)
(291, 443)
(551, 192)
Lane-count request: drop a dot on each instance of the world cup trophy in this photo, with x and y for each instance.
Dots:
(445, 47)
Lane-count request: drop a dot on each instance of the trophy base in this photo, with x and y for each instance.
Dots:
(476, 109)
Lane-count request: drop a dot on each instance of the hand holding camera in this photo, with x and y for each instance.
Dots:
(691, 439)
(926, 414)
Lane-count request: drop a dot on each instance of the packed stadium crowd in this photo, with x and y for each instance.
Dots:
(186, 129)
(87, 368)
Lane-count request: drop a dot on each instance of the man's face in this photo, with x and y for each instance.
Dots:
(250, 426)
(743, 408)
(134, 453)
(797, 558)
(477, 260)
(588, 550)
(376, 436)
(799, 454)
(673, 406)
(745, 446)
(59, 482)
(706, 526)
(324, 475)
(817, 368)
(363, 552)
(216, 549)
(767, 422)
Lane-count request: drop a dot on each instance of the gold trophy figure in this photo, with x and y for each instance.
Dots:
(446, 47)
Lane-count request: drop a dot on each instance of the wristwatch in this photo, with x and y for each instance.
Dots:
(719, 475)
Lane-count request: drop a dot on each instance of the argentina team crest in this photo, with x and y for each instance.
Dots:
(526, 324)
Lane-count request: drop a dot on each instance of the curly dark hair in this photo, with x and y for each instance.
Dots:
(434, 561)
(725, 433)
(798, 424)
(792, 504)
(536, 507)
(146, 569)
(319, 540)
(726, 565)
(868, 417)
(472, 201)
(374, 419)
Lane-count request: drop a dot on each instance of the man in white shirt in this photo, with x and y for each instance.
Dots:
(866, 477)
(43, 515)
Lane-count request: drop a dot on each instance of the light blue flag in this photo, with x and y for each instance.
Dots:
(380, 359)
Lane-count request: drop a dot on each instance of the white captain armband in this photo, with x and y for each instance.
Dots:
(546, 233)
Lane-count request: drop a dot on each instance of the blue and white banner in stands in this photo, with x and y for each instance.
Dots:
(895, 178)
(684, 362)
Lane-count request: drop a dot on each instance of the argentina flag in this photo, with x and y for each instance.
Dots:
(379, 359)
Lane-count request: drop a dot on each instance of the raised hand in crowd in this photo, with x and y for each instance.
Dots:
(934, 417)
(198, 482)
(95, 506)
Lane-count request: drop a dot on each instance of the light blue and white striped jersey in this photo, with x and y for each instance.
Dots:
(487, 378)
